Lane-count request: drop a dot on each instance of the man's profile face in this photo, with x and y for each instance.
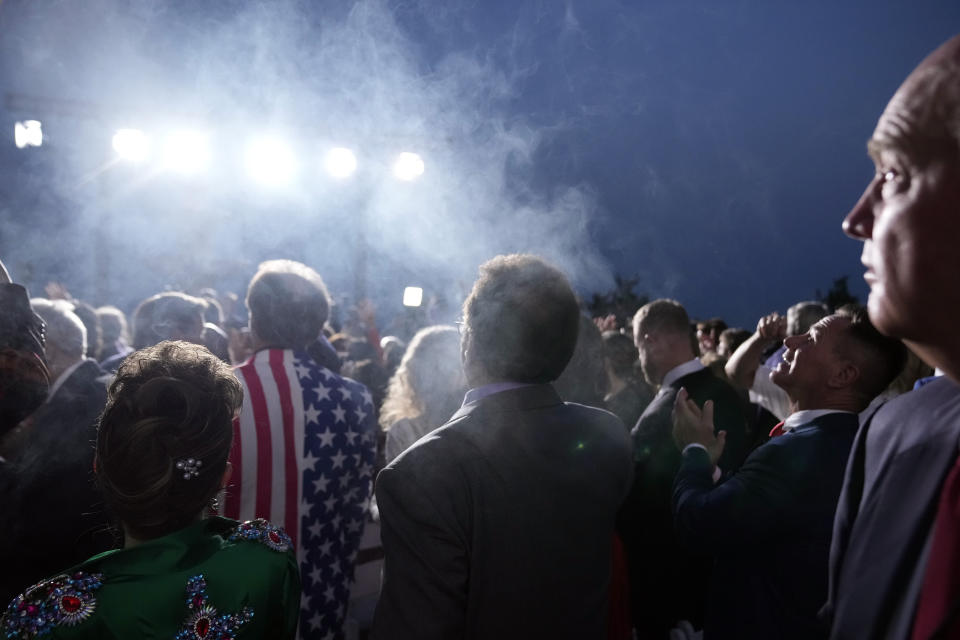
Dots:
(909, 221)
(810, 358)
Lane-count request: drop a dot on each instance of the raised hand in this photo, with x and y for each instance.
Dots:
(691, 425)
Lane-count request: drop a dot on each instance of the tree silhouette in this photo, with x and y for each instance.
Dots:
(621, 301)
(838, 295)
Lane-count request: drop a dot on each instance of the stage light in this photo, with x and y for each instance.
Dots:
(412, 297)
(271, 161)
(131, 144)
(28, 133)
(408, 166)
(340, 162)
(186, 152)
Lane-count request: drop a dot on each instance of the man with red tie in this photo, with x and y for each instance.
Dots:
(895, 557)
(768, 525)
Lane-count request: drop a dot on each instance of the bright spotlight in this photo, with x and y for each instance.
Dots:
(28, 134)
(412, 297)
(340, 162)
(131, 144)
(408, 166)
(186, 152)
(271, 161)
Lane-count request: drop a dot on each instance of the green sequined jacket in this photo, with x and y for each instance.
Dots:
(214, 580)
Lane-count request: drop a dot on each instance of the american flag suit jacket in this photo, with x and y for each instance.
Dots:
(303, 457)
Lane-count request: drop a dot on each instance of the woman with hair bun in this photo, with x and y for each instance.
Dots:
(161, 460)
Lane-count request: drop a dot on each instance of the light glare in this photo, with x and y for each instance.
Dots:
(28, 133)
(340, 162)
(270, 161)
(412, 297)
(131, 144)
(186, 152)
(408, 166)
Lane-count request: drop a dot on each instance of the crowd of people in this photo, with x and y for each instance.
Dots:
(212, 468)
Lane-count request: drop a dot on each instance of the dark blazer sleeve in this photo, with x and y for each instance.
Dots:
(748, 507)
(730, 416)
(426, 569)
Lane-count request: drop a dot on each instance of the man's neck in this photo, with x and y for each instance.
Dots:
(263, 345)
(476, 381)
(943, 357)
(832, 402)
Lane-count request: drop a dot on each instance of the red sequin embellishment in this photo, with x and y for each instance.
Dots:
(63, 600)
(261, 531)
(70, 604)
(204, 622)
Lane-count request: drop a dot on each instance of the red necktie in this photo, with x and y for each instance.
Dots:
(941, 582)
(777, 430)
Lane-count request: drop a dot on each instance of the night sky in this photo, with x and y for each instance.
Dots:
(710, 148)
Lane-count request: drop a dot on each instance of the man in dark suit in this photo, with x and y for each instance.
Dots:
(769, 524)
(667, 582)
(499, 524)
(895, 544)
(54, 516)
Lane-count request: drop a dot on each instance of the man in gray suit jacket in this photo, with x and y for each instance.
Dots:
(886, 556)
(500, 523)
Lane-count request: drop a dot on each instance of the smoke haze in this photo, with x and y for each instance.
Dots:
(711, 149)
(319, 75)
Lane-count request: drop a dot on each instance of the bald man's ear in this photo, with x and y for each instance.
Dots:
(845, 375)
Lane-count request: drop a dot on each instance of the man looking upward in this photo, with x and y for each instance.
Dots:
(769, 524)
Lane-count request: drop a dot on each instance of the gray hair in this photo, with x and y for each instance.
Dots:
(522, 319)
(113, 324)
(288, 304)
(661, 315)
(803, 315)
(64, 328)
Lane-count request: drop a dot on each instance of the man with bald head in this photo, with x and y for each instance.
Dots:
(895, 557)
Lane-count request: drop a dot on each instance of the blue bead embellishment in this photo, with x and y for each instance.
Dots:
(261, 531)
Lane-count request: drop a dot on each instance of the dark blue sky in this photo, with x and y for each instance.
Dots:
(709, 147)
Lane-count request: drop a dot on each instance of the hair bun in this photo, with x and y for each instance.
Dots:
(166, 397)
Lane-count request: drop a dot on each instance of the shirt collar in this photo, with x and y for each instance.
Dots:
(691, 366)
(479, 393)
(807, 416)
